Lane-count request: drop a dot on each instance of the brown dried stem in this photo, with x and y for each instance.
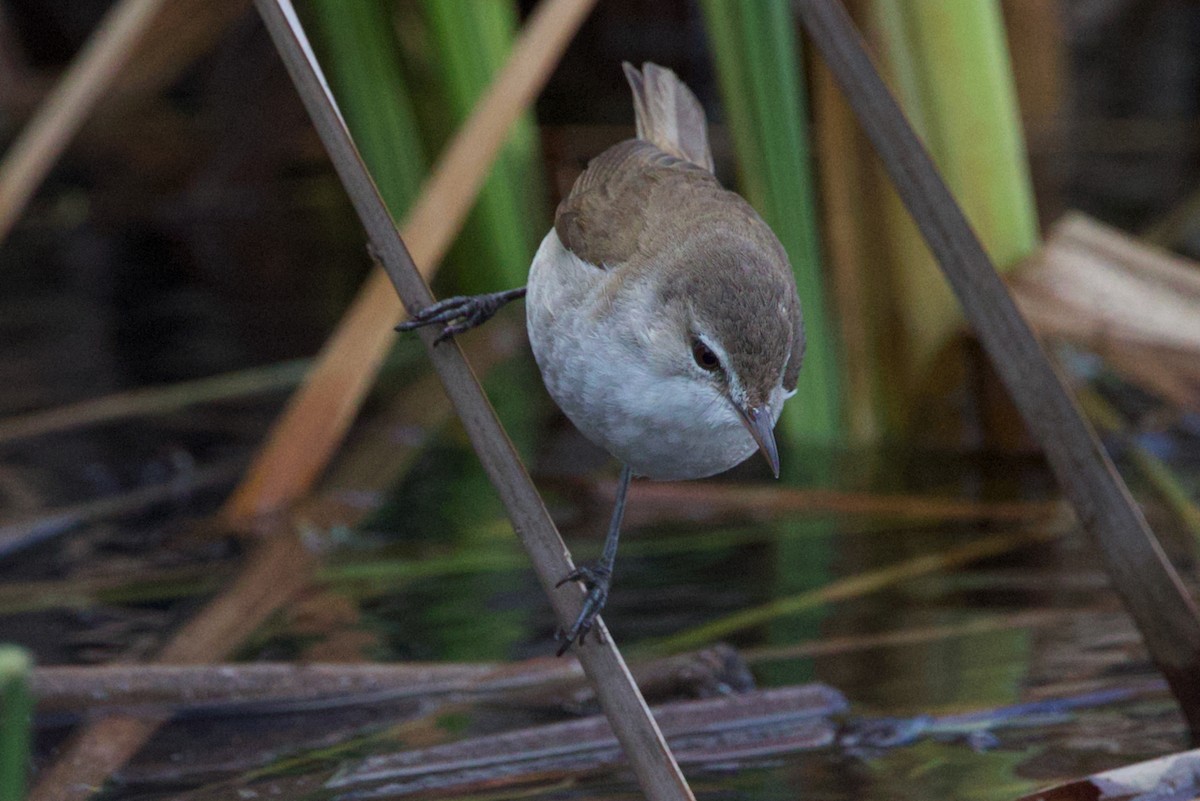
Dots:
(280, 685)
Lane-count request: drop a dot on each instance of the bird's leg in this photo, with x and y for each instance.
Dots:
(461, 313)
(597, 577)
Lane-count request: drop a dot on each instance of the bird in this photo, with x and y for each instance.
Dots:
(661, 310)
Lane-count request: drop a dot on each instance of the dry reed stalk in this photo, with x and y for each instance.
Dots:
(172, 688)
(1148, 584)
(311, 428)
(182, 32)
(1092, 284)
(635, 728)
(153, 400)
(89, 77)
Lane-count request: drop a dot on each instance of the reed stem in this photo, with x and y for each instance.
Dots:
(949, 66)
(471, 42)
(16, 714)
(364, 68)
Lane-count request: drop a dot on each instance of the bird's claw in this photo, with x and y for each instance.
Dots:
(597, 579)
(459, 314)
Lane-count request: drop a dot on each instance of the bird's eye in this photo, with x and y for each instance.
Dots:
(705, 358)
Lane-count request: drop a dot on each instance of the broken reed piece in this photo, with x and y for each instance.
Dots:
(1093, 285)
(1151, 589)
(635, 728)
(550, 758)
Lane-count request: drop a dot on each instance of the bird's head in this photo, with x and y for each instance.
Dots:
(733, 332)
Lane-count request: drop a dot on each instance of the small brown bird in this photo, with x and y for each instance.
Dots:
(661, 310)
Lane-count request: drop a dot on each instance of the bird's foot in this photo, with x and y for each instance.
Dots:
(597, 579)
(460, 313)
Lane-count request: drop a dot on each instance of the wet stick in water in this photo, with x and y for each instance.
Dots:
(1150, 587)
(276, 687)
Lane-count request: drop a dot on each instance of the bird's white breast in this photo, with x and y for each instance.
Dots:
(662, 427)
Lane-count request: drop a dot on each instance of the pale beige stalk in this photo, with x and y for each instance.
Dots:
(58, 119)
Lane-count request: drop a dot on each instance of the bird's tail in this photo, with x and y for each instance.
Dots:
(668, 114)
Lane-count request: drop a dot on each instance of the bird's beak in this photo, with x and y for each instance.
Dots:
(759, 422)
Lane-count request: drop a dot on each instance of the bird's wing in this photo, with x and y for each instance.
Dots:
(616, 203)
